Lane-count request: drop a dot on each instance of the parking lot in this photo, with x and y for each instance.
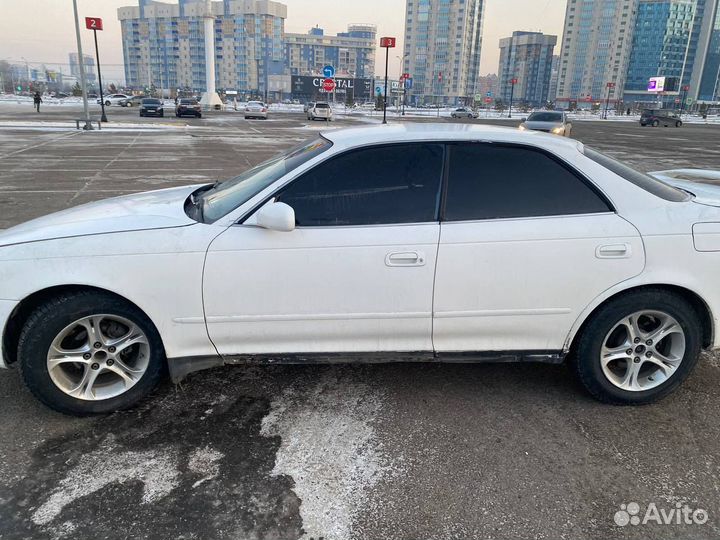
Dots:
(397, 451)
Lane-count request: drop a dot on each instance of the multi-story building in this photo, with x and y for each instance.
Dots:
(554, 74)
(487, 85)
(88, 62)
(443, 39)
(704, 81)
(350, 53)
(526, 57)
(164, 44)
(595, 50)
(660, 46)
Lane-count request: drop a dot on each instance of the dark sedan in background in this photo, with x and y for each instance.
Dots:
(188, 107)
(151, 107)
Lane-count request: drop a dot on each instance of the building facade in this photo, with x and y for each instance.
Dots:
(660, 46)
(443, 39)
(350, 53)
(554, 74)
(705, 80)
(595, 51)
(526, 57)
(89, 63)
(164, 44)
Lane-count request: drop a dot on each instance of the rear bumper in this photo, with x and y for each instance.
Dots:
(6, 309)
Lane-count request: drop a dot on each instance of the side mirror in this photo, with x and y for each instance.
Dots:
(523, 119)
(276, 216)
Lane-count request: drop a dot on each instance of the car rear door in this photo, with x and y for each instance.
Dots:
(356, 275)
(526, 244)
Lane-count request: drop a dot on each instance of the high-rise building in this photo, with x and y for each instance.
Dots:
(526, 58)
(164, 44)
(442, 49)
(350, 53)
(595, 50)
(88, 62)
(554, 74)
(660, 46)
(705, 79)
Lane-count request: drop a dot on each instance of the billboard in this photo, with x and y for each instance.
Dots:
(656, 84)
(312, 87)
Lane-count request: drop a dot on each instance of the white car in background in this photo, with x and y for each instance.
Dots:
(256, 109)
(320, 110)
(114, 99)
(372, 244)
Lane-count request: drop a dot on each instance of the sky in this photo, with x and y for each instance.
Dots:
(43, 31)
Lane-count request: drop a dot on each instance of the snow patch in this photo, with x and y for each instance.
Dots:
(330, 449)
(156, 469)
(204, 461)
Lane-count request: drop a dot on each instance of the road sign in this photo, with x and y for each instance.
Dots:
(93, 23)
(329, 72)
(489, 94)
(388, 42)
(686, 88)
(513, 81)
(677, 100)
(408, 83)
(379, 90)
(478, 97)
(610, 85)
(488, 100)
(328, 85)
(405, 76)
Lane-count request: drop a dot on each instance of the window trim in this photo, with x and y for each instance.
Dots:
(557, 159)
(438, 200)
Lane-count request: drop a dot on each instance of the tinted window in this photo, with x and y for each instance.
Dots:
(644, 181)
(151, 102)
(322, 106)
(489, 181)
(545, 117)
(188, 102)
(380, 185)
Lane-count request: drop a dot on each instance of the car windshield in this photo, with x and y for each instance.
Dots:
(642, 180)
(225, 197)
(545, 117)
(322, 106)
(255, 103)
(188, 102)
(151, 102)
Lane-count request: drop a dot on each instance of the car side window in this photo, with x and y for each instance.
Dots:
(388, 184)
(489, 181)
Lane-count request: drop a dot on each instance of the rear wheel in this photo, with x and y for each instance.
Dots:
(107, 103)
(638, 348)
(678, 123)
(655, 123)
(90, 353)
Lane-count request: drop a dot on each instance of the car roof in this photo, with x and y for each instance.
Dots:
(361, 136)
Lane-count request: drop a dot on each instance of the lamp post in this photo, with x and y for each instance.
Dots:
(513, 82)
(610, 86)
(81, 65)
(387, 43)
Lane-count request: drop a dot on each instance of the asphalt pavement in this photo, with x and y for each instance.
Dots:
(400, 451)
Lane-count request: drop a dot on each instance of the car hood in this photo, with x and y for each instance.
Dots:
(695, 181)
(150, 210)
(542, 125)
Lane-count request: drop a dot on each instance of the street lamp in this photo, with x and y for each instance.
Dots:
(400, 78)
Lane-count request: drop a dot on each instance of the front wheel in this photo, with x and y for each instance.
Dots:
(90, 353)
(678, 123)
(107, 103)
(655, 123)
(638, 348)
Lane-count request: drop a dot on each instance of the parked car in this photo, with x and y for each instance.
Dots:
(577, 268)
(151, 107)
(464, 112)
(657, 117)
(321, 110)
(133, 101)
(256, 109)
(62, 95)
(188, 107)
(113, 99)
(549, 122)
(309, 105)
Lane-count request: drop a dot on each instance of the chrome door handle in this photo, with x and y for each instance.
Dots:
(405, 258)
(614, 251)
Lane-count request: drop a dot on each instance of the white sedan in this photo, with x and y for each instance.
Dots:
(114, 99)
(414, 242)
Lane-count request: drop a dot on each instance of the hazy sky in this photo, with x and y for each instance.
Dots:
(42, 31)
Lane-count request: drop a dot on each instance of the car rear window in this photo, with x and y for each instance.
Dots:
(322, 106)
(151, 102)
(641, 180)
(188, 102)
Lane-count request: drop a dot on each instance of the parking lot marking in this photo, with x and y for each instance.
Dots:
(54, 139)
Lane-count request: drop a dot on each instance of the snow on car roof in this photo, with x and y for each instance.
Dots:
(358, 136)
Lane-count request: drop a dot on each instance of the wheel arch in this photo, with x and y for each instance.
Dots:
(26, 306)
(694, 299)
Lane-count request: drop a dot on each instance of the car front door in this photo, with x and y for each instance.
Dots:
(526, 244)
(356, 274)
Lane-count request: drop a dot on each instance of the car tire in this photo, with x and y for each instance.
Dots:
(678, 124)
(52, 319)
(655, 123)
(108, 103)
(199, 115)
(604, 379)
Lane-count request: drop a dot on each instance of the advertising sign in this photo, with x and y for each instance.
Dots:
(309, 87)
(656, 84)
(93, 23)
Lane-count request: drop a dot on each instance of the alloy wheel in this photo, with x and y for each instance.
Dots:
(98, 357)
(643, 350)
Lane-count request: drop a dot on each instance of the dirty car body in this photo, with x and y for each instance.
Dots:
(371, 244)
